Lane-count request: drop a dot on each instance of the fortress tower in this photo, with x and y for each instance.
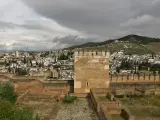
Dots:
(91, 70)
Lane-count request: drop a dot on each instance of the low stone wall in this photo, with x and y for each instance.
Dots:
(80, 95)
(102, 115)
(94, 100)
(157, 92)
(36, 86)
(39, 97)
(126, 114)
(100, 109)
(100, 90)
(107, 108)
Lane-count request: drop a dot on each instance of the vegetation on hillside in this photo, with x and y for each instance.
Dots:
(131, 44)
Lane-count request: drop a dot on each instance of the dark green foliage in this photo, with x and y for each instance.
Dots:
(11, 112)
(25, 60)
(63, 57)
(8, 111)
(144, 66)
(117, 69)
(22, 114)
(7, 92)
(21, 71)
(69, 99)
(155, 67)
(127, 65)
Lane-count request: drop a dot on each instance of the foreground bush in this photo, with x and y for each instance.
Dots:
(8, 111)
(69, 99)
(7, 92)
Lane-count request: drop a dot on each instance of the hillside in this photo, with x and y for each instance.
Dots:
(131, 44)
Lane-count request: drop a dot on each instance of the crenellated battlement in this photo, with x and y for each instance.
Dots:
(91, 53)
(135, 78)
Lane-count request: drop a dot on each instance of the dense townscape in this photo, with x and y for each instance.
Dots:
(80, 84)
(58, 63)
(79, 60)
(61, 63)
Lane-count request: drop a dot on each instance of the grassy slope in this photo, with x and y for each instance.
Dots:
(131, 44)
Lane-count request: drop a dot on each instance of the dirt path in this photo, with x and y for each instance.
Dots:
(80, 110)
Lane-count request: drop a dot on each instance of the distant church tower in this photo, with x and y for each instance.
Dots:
(16, 54)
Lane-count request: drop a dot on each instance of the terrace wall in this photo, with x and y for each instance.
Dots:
(35, 85)
(107, 108)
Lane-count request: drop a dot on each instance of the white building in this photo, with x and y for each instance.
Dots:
(17, 54)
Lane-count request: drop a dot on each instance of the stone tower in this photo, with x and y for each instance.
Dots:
(91, 70)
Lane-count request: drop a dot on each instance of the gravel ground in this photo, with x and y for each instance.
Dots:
(80, 110)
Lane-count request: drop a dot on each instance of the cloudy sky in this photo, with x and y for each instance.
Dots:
(54, 24)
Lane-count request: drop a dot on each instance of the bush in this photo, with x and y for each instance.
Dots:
(7, 92)
(8, 111)
(69, 99)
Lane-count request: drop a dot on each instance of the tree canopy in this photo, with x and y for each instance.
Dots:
(8, 111)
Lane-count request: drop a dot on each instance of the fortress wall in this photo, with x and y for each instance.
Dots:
(91, 71)
(135, 78)
(35, 86)
(91, 53)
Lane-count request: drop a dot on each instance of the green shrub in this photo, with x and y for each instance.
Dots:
(69, 99)
(8, 111)
(7, 92)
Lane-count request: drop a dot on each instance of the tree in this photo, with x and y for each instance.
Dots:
(63, 57)
(7, 92)
(23, 114)
(21, 71)
(8, 111)
(117, 69)
(25, 60)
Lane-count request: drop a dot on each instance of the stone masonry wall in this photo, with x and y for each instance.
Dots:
(91, 70)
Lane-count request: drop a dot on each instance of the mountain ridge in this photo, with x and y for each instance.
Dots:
(134, 42)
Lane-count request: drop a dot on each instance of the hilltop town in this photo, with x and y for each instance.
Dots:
(79, 60)
(109, 86)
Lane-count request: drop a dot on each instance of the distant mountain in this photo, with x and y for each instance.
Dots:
(131, 44)
(139, 39)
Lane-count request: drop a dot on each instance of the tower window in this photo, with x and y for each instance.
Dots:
(87, 84)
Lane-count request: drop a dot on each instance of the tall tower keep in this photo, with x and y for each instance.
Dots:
(91, 70)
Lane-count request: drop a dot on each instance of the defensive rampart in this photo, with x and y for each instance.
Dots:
(91, 70)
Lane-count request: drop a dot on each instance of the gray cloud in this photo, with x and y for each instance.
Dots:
(71, 40)
(91, 16)
(102, 17)
(36, 23)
